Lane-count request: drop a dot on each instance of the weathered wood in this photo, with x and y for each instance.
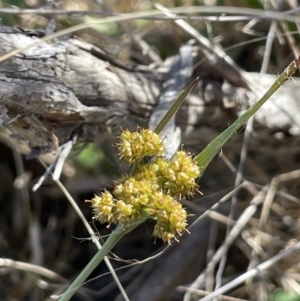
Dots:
(56, 89)
(64, 87)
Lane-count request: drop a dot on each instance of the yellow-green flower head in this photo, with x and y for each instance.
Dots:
(166, 236)
(179, 175)
(147, 171)
(134, 192)
(151, 188)
(171, 218)
(103, 207)
(134, 146)
(126, 213)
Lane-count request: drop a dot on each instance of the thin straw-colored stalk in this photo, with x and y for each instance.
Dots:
(91, 232)
(176, 10)
(251, 273)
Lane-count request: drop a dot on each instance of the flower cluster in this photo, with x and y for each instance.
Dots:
(151, 189)
(134, 146)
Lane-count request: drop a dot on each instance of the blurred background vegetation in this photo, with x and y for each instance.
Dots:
(41, 228)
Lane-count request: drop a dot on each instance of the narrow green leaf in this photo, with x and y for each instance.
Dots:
(176, 105)
(207, 154)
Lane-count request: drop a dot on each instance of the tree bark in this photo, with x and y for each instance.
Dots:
(55, 90)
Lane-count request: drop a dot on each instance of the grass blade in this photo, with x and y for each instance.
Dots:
(207, 154)
(175, 106)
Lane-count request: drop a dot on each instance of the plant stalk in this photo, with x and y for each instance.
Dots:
(113, 239)
(207, 154)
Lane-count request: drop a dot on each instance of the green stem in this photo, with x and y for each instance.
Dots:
(207, 154)
(115, 236)
(175, 106)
